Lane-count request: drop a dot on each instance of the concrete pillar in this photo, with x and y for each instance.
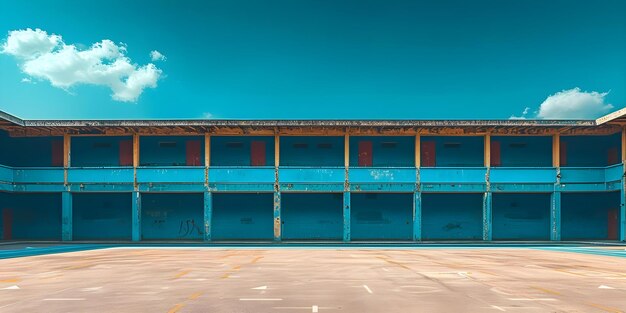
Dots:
(136, 211)
(555, 216)
(417, 216)
(622, 212)
(66, 216)
(277, 219)
(346, 216)
(487, 216)
(208, 214)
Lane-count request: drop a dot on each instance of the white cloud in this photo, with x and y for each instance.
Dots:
(157, 56)
(26, 80)
(571, 104)
(105, 63)
(574, 104)
(521, 117)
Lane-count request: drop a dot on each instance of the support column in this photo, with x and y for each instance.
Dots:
(555, 216)
(622, 207)
(136, 218)
(66, 216)
(67, 141)
(346, 189)
(417, 216)
(487, 216)
(277, 203)
(346, 216)
(207, 158)
(208, 215)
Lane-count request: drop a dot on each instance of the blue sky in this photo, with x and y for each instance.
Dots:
(322, 59)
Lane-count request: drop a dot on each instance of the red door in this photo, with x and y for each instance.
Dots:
(57, 152)
(563, 153)
(126, 153)
(495, 153)
(366, 157)
(613, 223)
(193, 153)
(257, 153)
(428, 153)
(7, 223)
(612, 157)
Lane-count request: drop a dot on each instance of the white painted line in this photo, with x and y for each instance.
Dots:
(260, 299)
(496, 290)
(464, 274)
(368, 289)
(314, 309)
(605, 287)
(64, 299)
(260, 288)
(14, 287)
(532, 299)
(498, 308)
(385, 269)
(91, 289)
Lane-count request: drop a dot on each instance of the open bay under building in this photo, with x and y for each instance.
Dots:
(331, 180)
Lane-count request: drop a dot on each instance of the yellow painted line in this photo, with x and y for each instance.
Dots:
(548, 291)
(256, 259)
(10, 280)
(394, 263)
(225, 276)
(181, 274)
(176, 308)
(604, 308)
(75, 267)
(568, 272)
(195, 296)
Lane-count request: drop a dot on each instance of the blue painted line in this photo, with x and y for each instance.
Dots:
(583, 250)
(34, 251)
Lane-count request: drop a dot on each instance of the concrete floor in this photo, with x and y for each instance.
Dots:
(286, 279)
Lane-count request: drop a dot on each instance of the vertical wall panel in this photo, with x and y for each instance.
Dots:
(428, 153)
(365, 153)
(7, 223)
(452, 216)
(312, 216)
(57, 152)
(172, 216)
(98, 216)
(193, 152)
(381, 216)
(247, 216)
(257, 153)
(126, 152)
(495, 153)
(521, 216)
(586, 216)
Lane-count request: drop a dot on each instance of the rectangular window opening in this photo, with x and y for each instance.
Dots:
(167, 144)
(324, 146)
(300, 145)
(452, 145)
(102, 145)
(234, 145)
(517, 145)
(389, 145)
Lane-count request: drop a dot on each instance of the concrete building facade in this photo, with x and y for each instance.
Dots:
(331, 180)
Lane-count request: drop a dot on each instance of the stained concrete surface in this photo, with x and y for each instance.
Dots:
(188, 279)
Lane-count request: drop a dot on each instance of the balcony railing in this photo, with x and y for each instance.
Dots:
(382, 175)
(465, 175)
(242, 175)
(107, 175)
(320, 175)
(537, 175)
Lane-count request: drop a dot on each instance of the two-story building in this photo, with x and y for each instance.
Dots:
(333, 180)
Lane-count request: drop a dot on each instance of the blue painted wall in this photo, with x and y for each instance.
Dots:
(243, 216)
(94, 151)
(521, 216)
(235, 150)
(36, 216)
(312, 216)
(166, 150)
(386, 150)
(590, 150)
(101, 216)
(172, 216)
(585, 215)
(521, 151)
(458, 150)
(311, 151)
(26, 151)
(452, 216)
(376, 216)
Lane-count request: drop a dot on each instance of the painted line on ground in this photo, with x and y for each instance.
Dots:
(368, 289)
(260, 299)
(64, 299)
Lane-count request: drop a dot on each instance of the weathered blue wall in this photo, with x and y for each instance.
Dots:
(93, 151)
(590, 150)
(26, 151)
(452, 216)
(312, 215)
(457, 150)
(524, 151)
(101, 216)
(166, 150)
(521, 216)
(242, 216)
(235, 150)
(585, 215)
(36, 216)
(376, 216)
(311, 151)
(172, 216)
(386, 151)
